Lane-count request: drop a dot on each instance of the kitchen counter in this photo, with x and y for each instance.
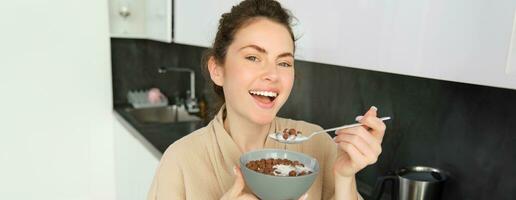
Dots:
(155, 137)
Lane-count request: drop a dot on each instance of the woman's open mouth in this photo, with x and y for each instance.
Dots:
(265, 99)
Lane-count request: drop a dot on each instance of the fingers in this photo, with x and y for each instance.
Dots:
(374, 123)
(363, 143)
(304, 197)
(247, 197)
(358, 160)
(369, 150)
(373, 142)
(239, 183)
(237, 190)
(371, 112)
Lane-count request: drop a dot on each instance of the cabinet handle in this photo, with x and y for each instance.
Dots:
(124, 11)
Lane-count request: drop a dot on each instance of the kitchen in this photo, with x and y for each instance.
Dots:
(443, 70)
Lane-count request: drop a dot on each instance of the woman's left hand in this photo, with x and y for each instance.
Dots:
(361, 145)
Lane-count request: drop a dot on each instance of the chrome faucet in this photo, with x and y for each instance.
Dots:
(191, 101)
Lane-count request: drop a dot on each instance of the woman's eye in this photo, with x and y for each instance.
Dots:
(284, 64)
(251, 58)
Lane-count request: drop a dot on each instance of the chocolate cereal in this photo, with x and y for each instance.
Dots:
(290, 132)
(278, 167)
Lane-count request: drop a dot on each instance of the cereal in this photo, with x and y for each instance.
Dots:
(292, 173)
(288, 134)
(278, 167)
(292, 131)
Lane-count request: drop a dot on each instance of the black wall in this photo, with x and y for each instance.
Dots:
(467, 130)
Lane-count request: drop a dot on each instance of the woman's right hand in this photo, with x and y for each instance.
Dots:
(237, 190)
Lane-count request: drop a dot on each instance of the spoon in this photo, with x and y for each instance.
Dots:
(301, 138)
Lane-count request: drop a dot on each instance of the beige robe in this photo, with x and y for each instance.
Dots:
(200, 165)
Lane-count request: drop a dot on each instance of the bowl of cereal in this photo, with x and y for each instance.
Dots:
(278, 174)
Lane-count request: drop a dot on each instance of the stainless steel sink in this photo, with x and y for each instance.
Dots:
(168, 114)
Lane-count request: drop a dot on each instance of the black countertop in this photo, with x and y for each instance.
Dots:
(160, 136)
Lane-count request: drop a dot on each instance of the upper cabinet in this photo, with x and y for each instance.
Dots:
(196, 21)
(464, 40)
(148, 19)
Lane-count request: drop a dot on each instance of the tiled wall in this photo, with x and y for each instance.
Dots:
(468, 130)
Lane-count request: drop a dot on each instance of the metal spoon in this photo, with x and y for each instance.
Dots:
(301, 138)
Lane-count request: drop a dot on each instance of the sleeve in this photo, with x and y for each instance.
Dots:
(168, 182)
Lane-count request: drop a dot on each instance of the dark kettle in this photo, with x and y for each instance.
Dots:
(413, 183)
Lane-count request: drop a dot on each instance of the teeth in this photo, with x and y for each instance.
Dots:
(264, 93)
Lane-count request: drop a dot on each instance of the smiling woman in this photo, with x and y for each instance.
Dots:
(240, 40)
(258, 64)
(251, 67)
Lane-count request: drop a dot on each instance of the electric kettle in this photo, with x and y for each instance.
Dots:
(413, 183)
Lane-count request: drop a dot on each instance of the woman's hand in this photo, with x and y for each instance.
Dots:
(237, 190)
(361, 145)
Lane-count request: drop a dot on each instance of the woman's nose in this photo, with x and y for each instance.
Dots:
(271, 72)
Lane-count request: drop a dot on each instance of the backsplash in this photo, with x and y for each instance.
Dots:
(135, 65)
(467, 130)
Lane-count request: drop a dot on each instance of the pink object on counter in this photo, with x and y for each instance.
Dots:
(154, 95)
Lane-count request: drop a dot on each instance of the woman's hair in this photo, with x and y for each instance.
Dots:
(240, 16)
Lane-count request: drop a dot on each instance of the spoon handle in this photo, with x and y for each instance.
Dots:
(346, 126)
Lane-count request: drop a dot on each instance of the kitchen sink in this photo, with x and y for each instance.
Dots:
(166, 114)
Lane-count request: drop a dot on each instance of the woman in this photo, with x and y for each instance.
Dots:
(251, 65)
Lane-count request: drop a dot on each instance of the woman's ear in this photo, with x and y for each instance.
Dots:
(216, 72)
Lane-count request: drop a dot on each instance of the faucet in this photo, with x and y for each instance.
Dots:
(191, 101)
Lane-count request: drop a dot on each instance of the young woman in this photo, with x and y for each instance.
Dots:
(251, 66)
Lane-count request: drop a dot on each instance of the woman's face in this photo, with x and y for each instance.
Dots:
(258, 72)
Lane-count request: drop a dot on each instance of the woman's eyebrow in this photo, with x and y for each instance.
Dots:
(286, 54)
(262, 50)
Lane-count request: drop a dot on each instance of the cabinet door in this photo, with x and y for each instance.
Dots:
(149, 19)
(158, 21)
(467, 41)
(196, 21)
(463, 40)
(127, 19)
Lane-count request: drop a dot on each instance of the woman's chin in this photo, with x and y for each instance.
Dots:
(264, 119)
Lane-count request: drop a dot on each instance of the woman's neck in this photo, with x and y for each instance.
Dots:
(246, 134)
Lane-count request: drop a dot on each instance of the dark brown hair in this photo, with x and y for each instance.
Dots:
(240, 16)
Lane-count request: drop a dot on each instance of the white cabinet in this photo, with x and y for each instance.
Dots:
(148, 19)
(196, 21)
(135, 165)
(463, 40)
